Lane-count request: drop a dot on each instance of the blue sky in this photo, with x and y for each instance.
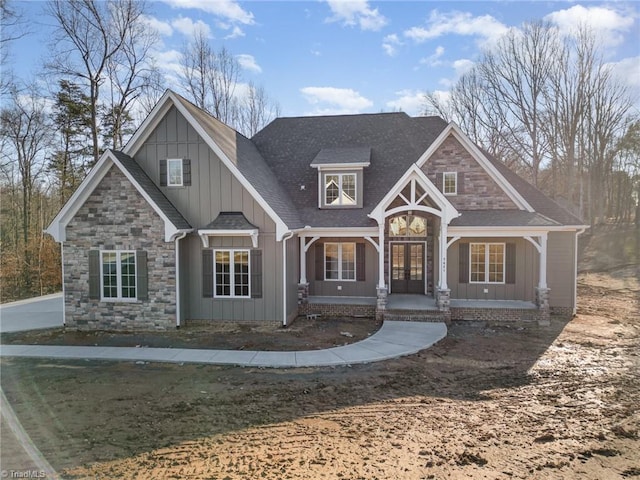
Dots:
(333, 57)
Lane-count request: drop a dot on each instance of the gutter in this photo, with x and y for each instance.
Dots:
(575, 282)
(177, 239)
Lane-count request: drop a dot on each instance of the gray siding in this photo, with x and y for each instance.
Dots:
(561, 269)
(323, 288)
(526, 274)
(214, 189)
(293, 277)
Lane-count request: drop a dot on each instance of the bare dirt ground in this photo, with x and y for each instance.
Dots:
(489, 401)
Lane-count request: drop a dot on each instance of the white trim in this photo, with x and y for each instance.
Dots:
(145, 130)
(57, 227)
(119, 298)
(285, 237)
(318, 232)
(232, 283)
(251, 232)
(448, 212)
(177, 254)
(341, 166)
(444, 182)
(355, 266)
(487, 263)
(478, 156)
(424, 261)
(499, 231)
(180, 162)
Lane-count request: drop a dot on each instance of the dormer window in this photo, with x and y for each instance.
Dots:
(340, 189)
(340, 176)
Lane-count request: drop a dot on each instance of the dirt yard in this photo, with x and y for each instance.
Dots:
(489, 401)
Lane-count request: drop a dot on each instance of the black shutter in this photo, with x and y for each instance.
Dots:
(460, 185)
(186, 172)
(207, 273)
(163, 173)
(360, 262)
(319, 261)
(510, 263)
(463, 263)
(94, 274)
(256, 273)
(142, 277)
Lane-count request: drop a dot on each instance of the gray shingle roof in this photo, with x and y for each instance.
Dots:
(152, 190)
(341, 156)
(396, 141)
(230, 221)
(501, 218)
(246, 157)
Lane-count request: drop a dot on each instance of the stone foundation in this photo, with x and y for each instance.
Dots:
(303, 293)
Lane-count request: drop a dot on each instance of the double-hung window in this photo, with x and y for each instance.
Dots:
(232, 273)
(174, 172)
(340, 189)
(339, 261)
(487, 263)
(450, 183)
(118, 274)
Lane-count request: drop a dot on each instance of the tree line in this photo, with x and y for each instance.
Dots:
(101, 81)
(546, 103)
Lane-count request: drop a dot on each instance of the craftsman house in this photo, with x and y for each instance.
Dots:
(376, 214)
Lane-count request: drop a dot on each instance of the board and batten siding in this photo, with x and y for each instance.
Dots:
(322, 288)
(527, 261)
(561, 269)
(214, 189)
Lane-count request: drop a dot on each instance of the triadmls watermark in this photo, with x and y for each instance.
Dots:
(23, 474)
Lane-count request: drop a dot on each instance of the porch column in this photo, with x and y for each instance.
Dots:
(543, 261)
(381, 283)
(303, 260)
(443, 254)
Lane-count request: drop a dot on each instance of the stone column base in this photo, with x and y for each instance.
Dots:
(381, 304)
(443, 299)
(303, 293)
(542, 301)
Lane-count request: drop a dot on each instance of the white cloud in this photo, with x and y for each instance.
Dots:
(163, 28)
(609, 24)
(189, 28)
(335, 101)
(390, 44)
(236, 32)
(628, 71)
(228, 9)
(356, 13)
(170, 61)
(433, 60)
(410, 101)
(248, 62)
(486, 27)
(462, 66)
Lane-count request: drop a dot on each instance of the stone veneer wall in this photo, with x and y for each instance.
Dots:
(117, 217)
(476, 189)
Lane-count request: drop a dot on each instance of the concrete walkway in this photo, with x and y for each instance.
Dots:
(394, 339)
(32, 314)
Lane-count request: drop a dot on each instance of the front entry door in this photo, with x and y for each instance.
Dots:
(407, 268)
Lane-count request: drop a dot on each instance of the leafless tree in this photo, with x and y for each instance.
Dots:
(90, 36)
(255, 110)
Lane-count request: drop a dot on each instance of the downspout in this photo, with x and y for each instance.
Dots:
(575, 280)
(64, 302)
(285, 237)
(177, 242)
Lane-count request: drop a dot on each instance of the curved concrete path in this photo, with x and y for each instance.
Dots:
(394, 339)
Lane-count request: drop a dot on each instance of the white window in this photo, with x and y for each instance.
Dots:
(232, 273)
(174, 172)
(340, 189)
(118, 274)
(487, 263)
(450, 183)
(407, 226)
(340, 261)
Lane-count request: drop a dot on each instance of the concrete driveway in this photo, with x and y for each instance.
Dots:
(32, 314)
